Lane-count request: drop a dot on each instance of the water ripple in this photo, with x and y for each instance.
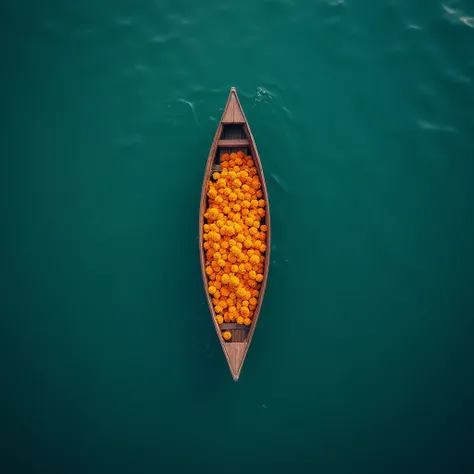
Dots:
(181, 20)
(163, 38)
(433, 127)
(278, 180)
(413, 26)
(192, 107)
(457, 16)
(125, 21)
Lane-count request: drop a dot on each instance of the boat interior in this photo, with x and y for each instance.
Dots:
(232, 140)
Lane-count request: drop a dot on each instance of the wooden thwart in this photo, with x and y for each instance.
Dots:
(236, 142)
(227, 326)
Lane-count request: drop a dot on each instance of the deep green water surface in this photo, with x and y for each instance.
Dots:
(363, 358)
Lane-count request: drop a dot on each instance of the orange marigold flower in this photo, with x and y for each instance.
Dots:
(212, 289)
(259, 277)
(240, 320)
(255, 259)
(248, 243)
(219, 319)
(227, 335)
(247, 321)
(213, 213)
(235, 250)
(225, 279)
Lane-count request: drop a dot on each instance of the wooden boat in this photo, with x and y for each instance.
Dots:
(233, 134)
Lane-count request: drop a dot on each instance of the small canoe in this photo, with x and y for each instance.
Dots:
(233, 135)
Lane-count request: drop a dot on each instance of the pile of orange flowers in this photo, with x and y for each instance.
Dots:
(234, 240)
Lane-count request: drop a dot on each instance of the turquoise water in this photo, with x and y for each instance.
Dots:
(362, 360)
